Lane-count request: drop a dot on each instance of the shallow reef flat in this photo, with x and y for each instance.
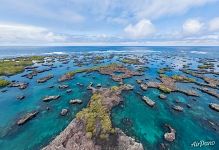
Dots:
(110, 100)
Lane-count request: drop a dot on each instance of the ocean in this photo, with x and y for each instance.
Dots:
(146, 124)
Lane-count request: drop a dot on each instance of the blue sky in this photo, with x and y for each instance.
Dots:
(109, 22)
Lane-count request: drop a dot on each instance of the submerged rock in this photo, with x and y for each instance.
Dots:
(69, 91)
(214, 106)
(50, 98)
(148, 101)
(99, 85)
(27, 117)
(162, 96)
(20, 97)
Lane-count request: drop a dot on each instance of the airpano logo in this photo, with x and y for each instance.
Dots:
(202, 143)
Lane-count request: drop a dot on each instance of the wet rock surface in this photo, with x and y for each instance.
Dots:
(27, 117)
(214, 106)
(170, 136)
(50, 98)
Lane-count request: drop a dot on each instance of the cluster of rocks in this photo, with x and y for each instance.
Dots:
(20, 85)
(34, 72)
(75, 137)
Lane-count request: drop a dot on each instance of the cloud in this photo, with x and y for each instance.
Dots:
(154, 9)
(214, 24)
(17, 33)
(141, 29)
(192, 26)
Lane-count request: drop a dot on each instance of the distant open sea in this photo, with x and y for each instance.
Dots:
(199, 51)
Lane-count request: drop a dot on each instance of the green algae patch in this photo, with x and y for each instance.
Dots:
(182, 78)
(17, 65)
(114, 88)
(164, 89)
(110, 66)
(97, 118)
(134, 61)
(4, 83)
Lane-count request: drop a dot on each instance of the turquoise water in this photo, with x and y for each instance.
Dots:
(147, 124)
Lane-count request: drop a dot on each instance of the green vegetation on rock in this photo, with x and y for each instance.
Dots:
(182, 78)
(97, 118)
(4, 83)
(134, 61)
(16, 65)
(164, 89)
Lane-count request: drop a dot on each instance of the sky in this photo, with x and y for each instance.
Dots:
(109, 22)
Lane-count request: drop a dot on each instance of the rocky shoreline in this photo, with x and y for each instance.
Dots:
(84, 133)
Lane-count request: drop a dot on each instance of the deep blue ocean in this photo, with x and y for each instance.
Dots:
(200, 51)
(146, 123)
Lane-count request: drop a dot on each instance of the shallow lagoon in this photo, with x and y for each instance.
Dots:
(147, 124)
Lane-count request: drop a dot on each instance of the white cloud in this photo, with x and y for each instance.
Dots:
(17, 33)
(192, 26)
(142, 29)
(156, 8)
(214, 24)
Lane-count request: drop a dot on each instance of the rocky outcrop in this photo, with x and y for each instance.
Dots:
(148, 101)
(209, 91)
(20, 97)
(143, 86)
(77, 135)
(170, 136)
(74, 137)
(162, 96)
(63, 86)
(27, 117)
(20, 85)
(64, 112)
(177, 108)
(75, 101)
(44, 79)
(214, 106)
(50, 98)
